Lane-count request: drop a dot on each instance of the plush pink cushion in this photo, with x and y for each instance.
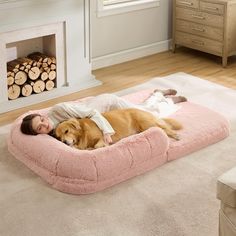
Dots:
(80, 172)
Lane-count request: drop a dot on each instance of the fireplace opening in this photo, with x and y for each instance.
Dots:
(31, 66)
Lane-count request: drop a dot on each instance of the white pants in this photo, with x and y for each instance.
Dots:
(157, 104)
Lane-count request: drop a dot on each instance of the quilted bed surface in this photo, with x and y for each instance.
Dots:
(81, 171)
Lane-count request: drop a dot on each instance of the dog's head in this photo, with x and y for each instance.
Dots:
(68, 131)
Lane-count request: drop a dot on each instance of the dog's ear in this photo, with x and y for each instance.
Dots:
(74, 123)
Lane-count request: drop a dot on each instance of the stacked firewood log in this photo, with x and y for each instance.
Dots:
(32, 74)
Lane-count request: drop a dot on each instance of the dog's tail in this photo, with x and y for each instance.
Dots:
(174, 124)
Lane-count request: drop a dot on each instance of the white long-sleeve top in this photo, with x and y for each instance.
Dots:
(65, 111)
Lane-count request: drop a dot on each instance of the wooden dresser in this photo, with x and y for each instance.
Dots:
(206, 25)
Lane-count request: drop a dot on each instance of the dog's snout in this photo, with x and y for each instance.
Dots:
(68, 142)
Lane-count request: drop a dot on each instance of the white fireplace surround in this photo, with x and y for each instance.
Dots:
(68, 22)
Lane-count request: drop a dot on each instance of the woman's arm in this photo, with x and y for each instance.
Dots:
(64, 111)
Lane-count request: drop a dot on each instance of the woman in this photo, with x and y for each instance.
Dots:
(159, 101)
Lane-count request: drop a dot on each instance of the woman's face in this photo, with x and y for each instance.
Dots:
(41, 125)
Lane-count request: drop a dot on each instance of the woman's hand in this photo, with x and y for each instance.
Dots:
(107, 138)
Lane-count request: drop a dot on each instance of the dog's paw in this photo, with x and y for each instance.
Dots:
(100, 144)
(176, 137)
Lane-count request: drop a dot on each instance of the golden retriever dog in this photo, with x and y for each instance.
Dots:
(85, 134)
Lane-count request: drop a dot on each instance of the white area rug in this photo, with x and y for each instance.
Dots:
(177, 199)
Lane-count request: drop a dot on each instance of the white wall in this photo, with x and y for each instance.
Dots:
(130, 35)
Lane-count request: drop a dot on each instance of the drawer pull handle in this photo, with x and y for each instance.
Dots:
(198, 42)
(186, 3)
(197, 29)
(198, 17)
(212, 8)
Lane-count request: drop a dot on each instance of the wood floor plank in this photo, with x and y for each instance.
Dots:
(128, 74)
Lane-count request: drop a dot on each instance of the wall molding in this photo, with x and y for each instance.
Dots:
(124, 7)
(130, 54)
(7, 4)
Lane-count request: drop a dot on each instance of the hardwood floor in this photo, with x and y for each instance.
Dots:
(135, 72)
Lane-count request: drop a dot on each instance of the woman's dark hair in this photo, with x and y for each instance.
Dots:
(26, 125)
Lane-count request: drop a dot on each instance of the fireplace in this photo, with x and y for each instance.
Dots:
(58, 29)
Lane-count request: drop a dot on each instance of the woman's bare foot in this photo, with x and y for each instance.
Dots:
(178, 99)
(166, 92)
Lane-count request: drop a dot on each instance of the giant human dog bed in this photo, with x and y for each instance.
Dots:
(86, 171)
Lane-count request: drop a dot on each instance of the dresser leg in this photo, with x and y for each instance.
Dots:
(224, 61)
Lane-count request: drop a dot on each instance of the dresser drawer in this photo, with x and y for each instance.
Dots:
(212, 7)
(199, 43)
(199, 17)
(188, 3)
(201, 30)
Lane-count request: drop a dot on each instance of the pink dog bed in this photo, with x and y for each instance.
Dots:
(81, 171)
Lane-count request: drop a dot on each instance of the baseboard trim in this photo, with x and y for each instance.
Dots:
(130, 54)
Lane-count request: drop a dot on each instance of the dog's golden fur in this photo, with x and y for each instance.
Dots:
(85, 134)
